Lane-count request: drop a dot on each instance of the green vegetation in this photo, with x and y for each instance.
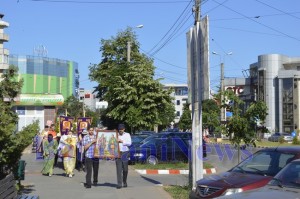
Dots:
(178, 192)
(296, 141)
(177, 165)
(12, 143)
(133, 95)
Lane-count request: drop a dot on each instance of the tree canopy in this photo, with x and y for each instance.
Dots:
(133, 96)
(12, 143)
(242, 125)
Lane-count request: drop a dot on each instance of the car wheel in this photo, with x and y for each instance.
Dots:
(152, 160)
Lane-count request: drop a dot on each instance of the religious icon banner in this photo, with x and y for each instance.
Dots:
(83, 123)
(68, 148)
(65, 124)
(107, 146)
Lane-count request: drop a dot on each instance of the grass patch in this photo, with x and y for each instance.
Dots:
(177, 165)
(178, 192)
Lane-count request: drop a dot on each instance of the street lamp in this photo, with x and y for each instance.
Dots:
(223, 112)
(129, 44)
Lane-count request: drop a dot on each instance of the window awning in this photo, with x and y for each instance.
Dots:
(39, 100)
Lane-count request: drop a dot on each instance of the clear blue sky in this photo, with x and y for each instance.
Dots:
(72, 30)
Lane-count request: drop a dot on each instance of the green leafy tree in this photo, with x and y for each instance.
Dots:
(241, 126)
(185, 121)
(12, 143)
(210, 114)
(72, 106)
(133, 96)
(95, 115)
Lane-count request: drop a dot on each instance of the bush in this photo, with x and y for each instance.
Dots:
(281, 140)
(296, 141)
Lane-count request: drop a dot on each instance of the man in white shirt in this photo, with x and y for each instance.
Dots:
(124, 140)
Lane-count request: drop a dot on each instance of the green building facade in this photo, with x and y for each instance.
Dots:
(47, 83)
(43, 75)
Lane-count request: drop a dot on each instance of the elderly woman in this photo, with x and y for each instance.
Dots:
(68, 152)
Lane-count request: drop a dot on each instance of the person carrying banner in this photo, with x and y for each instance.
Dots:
(124, 140)
(91, 163)
(50, 149)
(80, 151)
(68, 152)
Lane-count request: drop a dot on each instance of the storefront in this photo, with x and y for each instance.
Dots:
(32, 107)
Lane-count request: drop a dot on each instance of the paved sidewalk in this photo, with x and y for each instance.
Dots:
(59, 186)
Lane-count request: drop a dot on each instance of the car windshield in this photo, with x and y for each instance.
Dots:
(136, 139)
(288, 177)
(267, 163)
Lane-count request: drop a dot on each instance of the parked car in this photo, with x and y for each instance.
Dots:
(137, 139)
(276, 136)
(145, 133)
(252, 173)
(163, 147)
(286, 184)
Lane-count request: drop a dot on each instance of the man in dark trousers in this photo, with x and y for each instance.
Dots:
(91, 163)
(124, 140)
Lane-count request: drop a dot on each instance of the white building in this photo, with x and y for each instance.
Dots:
(88, 98)
(4, 53)
(180, 95)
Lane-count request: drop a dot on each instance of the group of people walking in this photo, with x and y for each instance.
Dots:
(80, 149)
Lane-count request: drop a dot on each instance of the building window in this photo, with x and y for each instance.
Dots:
(178, 113)
(87, 95)
(178, 102)
(21, 110)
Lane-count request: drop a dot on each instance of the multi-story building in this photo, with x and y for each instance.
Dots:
(180, 95)
(88, 98)
(4, 53)
(275, 79)
(47, 82)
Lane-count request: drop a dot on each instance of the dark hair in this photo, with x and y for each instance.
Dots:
(50, 135)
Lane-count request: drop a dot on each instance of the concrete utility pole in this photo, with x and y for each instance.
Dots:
(198, 81)
(129, 44)
(197, 11)
(222, 93)
(128, 50)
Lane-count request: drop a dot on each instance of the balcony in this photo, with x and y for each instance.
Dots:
(4, 66)
(4, 38)
(4, 51)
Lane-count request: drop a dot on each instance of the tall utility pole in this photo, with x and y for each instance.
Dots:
(197, 11)
(198, 81)
(222, 93)
(128, 50)
(129, 44)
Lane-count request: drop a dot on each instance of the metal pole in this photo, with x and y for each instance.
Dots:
(222, 93)
(128, 50)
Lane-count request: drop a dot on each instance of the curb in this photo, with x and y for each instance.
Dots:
(171, 171)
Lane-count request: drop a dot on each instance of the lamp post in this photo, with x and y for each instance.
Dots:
(129, 44)
(223, 112)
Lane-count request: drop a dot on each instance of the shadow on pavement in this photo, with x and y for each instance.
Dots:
(27, 189)
(151, 180)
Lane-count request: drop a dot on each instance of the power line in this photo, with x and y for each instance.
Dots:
(277, 9)
(269, 27)
(250, 31)
(254, 17)
(182, 13)
(156, 58)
